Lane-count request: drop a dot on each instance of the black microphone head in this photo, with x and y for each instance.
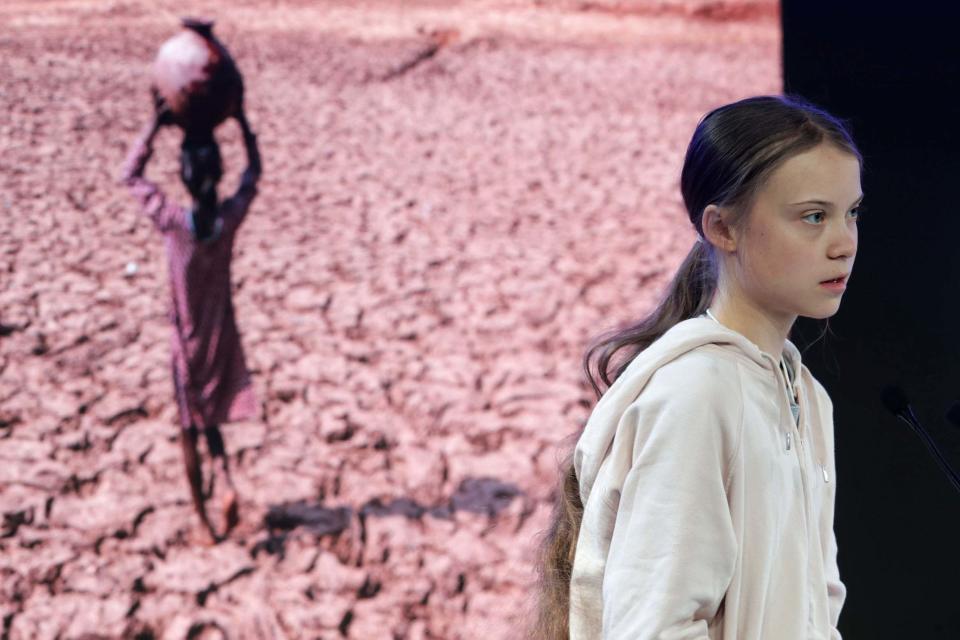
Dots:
(953, 414)
(895, 400)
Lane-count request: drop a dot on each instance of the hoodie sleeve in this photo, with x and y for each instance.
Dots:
(836, 590)
(673, 551)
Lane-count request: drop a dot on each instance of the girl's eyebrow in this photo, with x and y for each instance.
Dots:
(826, 203)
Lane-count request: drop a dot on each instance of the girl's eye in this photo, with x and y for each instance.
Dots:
(814, 218)
(856, 212)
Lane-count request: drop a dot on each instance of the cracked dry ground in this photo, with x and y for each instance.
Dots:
(455, 200)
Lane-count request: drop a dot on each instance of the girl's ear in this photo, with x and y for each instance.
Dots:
(717, 228)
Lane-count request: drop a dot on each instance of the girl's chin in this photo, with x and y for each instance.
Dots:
(821, 313)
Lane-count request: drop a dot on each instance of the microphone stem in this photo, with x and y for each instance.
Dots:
(933, 449)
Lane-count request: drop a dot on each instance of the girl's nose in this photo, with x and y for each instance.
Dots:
(844, 242)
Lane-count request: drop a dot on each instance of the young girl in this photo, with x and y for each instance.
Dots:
(699, 499)
(211, 381)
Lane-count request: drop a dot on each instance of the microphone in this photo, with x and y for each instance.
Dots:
(896, 402)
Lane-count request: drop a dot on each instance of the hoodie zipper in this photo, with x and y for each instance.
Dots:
(801, 457)
(799, 454)
(782, 383)
(820, 466)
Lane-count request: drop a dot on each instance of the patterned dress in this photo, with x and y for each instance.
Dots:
(211, 380)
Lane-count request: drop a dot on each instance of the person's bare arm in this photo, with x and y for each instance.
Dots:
(254, 168)
(247, 191)
(142, 148)
(152, 202)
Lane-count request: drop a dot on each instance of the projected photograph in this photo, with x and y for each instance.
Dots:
(295, 297)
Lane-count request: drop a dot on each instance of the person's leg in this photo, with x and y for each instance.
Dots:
(191, 457)
(221, 465)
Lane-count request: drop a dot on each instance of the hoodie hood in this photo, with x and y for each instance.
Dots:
(685, 336)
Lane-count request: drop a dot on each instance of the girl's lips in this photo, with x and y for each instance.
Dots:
(841, 279)
(836, 286)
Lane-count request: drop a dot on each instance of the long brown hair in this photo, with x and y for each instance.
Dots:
(733, 150)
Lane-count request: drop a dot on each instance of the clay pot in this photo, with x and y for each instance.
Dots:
(197, 78)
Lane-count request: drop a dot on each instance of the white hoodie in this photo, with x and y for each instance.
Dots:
(708, 513)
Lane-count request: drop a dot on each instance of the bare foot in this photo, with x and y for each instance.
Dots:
(231, 511)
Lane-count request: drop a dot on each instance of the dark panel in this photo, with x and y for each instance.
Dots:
(896, 76)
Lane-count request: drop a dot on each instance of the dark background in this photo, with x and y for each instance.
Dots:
(894, 76)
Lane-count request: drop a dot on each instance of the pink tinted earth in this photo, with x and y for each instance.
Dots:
(456, 198)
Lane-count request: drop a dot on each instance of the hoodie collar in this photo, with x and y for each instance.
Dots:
(683, 337)
(790, 352)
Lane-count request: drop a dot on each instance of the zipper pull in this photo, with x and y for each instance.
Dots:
(826, 476)
(788, 441)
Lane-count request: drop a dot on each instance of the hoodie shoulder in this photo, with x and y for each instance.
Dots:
(816, 391)
(822, 403)
(820, 391)
(707, 375)
(690, 377)
(691, 403)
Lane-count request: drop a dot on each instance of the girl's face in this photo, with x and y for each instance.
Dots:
(801, 232)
